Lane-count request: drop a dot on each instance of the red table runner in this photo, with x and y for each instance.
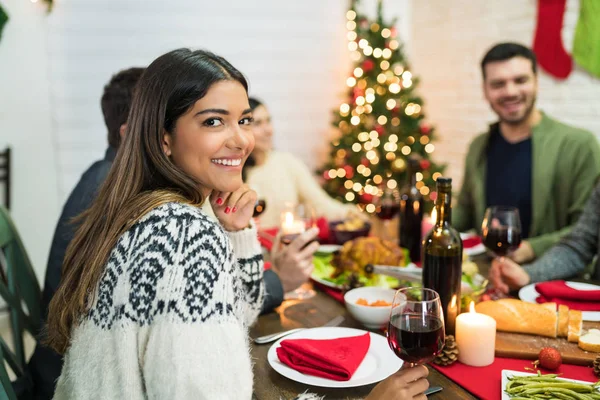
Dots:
(485, 382)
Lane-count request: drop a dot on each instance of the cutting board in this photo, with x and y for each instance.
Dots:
(517, 345)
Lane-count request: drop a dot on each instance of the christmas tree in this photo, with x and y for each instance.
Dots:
(382, 122)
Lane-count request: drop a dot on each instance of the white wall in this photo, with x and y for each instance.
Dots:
(448, 40)
(55, 66)
(26, 125)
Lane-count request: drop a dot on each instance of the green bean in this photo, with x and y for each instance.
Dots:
(572, 393)
(544, 385)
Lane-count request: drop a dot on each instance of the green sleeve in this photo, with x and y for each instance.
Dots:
(585, 172)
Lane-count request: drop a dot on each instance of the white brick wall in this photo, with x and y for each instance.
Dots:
(293, 53)
(448, 40)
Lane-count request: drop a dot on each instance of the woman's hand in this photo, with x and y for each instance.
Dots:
(406, 384)
(294, 263)
(234, 209)
(505, 275)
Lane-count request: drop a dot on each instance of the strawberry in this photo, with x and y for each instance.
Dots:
(549, 358)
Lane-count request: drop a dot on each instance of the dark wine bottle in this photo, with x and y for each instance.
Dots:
(411, 213)
(442, 256)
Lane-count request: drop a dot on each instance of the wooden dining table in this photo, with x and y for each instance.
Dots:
(309, 313)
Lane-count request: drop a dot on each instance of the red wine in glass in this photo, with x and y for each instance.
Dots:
(501, 230)
(416, 331)
(416, 338)
(388, 211)
(502, 240)
(259, 207)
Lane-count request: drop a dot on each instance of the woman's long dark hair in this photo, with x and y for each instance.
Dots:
(142, 178)
(250, 161)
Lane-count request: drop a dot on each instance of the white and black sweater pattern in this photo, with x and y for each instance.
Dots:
(170, 315)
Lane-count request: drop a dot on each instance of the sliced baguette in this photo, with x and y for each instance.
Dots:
(590, 341)
(514, 315)
(575, 326)
(563, 321)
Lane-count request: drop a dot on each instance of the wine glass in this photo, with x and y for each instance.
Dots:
(416, 330)
(387, 206)
(501, 230)
(295, 219)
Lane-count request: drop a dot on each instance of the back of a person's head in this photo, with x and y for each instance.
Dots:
(506, 51)
(116, 101)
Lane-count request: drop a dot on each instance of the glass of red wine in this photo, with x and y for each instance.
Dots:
(501, 230)
(387, 206)
(416, 331)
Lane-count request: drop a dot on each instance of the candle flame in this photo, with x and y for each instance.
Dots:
(288, 218)
(472, 307)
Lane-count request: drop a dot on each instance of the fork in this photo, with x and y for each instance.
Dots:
(272, 337)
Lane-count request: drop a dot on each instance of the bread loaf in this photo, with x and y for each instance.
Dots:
(590, 341)
(563, 321)
(514, 315)
(575, 325)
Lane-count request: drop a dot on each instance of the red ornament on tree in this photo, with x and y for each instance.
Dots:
(379, 129)
(366, 198)
(368, 65)
(326, 175)
(425, 129)
(393, 32)
(349, 171)
(356, 92)
(365, 162)
(425, 164)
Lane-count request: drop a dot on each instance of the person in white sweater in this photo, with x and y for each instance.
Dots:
(280, 178)
(156, 297)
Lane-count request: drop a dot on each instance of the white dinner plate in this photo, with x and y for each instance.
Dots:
(506, 373)
(529, 294)
(379, 362)
(410, 268)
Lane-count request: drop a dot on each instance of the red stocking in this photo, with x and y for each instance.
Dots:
(547, 44)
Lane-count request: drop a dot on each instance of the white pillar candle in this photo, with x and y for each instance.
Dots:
(475, 338)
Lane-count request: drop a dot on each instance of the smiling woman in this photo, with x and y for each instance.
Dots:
(156, 297)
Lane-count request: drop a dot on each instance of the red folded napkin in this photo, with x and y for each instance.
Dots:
(335, 359)
(560, 293)
(471, 242)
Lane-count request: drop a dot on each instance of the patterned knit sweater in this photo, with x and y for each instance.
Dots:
(170, 315)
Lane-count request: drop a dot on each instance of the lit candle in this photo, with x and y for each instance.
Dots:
(291, 226)
(475, 338)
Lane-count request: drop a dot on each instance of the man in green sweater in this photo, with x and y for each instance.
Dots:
(527, 160)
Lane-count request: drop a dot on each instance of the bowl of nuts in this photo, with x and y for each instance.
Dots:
(343, 231)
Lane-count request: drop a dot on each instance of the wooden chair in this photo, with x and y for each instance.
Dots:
(5, 172)
(19, 288)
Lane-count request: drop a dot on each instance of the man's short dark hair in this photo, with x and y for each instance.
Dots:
(116, 101)
(506, 51)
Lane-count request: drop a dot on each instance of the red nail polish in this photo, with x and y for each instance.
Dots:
(234, 209)
(227, 210)
(219, 201)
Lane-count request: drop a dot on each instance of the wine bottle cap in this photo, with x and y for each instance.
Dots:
(444, 181)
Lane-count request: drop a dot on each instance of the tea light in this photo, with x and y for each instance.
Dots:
(475, 338)
(290, 225)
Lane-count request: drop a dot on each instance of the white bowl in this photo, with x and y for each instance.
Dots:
(369, 316)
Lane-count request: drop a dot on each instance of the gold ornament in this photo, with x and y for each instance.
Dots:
(449, 354)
